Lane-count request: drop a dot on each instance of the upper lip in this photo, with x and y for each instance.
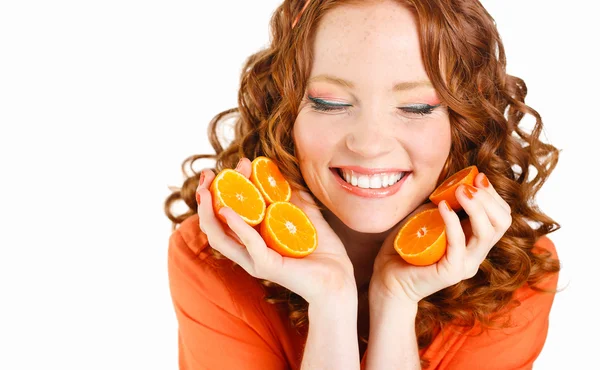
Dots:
(371, 171)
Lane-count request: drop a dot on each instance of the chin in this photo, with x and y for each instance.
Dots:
(369, 223)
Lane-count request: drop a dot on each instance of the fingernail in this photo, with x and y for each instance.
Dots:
(448, 206)
(239, 165)
(484, 181)
(200, 181)
(469, 191)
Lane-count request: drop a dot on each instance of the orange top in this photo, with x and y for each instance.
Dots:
(224, 322)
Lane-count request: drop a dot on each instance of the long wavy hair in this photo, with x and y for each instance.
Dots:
(459, 40)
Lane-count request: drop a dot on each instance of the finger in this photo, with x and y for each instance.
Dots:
(470, 199)
(265, 259)
(215, 233)
(498, 212)
(484, 233)
(499, 218)
(483, 183)
(206, 178)
(244, 167)
(466, 227)
(456, 250)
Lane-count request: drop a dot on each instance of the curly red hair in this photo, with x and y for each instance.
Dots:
(465, 60)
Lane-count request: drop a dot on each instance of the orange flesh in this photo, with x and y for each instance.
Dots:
(238, 193)
(453, 179)
(291, 228)
(422, 240)
(418, 235)
(447, 189)
(269, 179)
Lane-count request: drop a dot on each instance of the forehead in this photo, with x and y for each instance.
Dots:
(371, 42)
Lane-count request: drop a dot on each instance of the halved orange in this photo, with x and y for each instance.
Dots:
(422, 239)
(447, 189)
(269, 180)
(288, 230)
(232, 189)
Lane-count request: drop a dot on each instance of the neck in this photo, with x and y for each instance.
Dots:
(362, 248)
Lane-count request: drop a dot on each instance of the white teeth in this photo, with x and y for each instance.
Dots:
(371, 182)
(375, 182)
(363, 182)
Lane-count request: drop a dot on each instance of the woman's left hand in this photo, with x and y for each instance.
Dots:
(469, 242)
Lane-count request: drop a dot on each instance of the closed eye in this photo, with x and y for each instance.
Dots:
(420, 109)
(324, 106)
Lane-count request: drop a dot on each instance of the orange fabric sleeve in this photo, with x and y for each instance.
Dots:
(213, 330)
(515, 347)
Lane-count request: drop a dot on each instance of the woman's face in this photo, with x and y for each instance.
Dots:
(370, 145)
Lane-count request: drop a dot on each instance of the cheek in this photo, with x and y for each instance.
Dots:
(435, 148)
(312, 140)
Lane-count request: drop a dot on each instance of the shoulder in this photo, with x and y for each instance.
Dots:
(201, 282)
(531, 301)
(543, 246)
(218, 280)
(221, 309)
(523, 336)
(533, 304)
(188, 235)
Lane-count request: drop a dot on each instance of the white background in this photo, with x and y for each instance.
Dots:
(100, 102)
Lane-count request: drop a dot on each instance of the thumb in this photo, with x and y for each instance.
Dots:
(307, 204)
(244, 167)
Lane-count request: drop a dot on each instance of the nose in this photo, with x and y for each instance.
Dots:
(370, 140)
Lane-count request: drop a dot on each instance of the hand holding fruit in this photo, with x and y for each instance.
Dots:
(489, 218)
(324, 272)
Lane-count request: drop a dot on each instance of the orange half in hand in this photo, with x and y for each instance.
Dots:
(269, 180)
(422, 240)
(288, 230)
(447, 189)
(232, 189)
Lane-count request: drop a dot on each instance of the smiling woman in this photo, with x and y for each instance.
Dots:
(366, 107)
(384, 119)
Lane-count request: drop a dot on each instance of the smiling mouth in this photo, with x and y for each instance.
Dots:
(375, 181)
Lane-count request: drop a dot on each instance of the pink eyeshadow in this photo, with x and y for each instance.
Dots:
(432, 101)
(321, 93)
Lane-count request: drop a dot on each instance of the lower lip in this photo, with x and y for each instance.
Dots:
(369, 193)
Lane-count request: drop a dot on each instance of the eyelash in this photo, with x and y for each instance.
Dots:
(421, 110)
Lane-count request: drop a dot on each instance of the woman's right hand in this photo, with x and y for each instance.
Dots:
(324, 273)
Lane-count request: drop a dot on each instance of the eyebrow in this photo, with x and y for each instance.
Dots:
(402, 86)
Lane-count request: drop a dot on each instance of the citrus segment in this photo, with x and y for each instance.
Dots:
(422, 240)
(269, 180)
(232, 189)
(288, 230)
(447, 189)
